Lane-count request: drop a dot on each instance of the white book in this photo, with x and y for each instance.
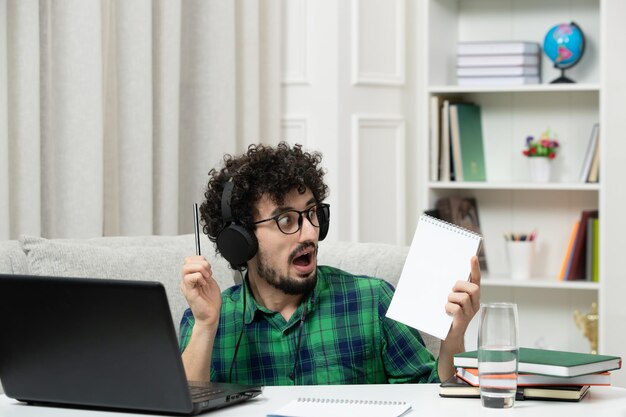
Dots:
(497, 71)
(522, 80)
(595, 164)
(589, 154)
(498, 60)
(439, 256)
(435, 135)
(444, 150)
(497, 48)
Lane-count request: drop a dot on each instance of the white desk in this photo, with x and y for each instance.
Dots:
(600, 401)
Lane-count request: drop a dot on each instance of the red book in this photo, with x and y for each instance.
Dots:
(470, 375)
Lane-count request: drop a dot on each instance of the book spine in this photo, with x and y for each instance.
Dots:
(455, 143)
(497, 60)
(497, 71)
(596, 231)
(497, 48)
(469, 81)
(435, 136)
(589, 250)
(568, 252)
(444, 164)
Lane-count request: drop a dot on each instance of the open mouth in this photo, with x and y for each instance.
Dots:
(304, 257)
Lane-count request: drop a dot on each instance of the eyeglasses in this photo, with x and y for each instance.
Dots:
(290, 221)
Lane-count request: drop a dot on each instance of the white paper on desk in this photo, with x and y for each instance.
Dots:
(438, 257)
(332, 407)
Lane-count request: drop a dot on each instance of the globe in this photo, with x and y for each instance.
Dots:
(564, 44)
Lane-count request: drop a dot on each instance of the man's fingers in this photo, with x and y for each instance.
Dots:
(197, 264)
(193, 280)
(475, 271)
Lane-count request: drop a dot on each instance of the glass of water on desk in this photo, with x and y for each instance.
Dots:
(498, 354)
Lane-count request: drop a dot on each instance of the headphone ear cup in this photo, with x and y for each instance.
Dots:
(323, 216)
(236, 244)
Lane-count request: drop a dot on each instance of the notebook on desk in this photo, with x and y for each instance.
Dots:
(98, 343)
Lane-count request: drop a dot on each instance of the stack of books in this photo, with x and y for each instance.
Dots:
(542, 374)
(498, 63)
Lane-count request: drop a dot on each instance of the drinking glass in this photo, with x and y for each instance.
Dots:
(498, 354)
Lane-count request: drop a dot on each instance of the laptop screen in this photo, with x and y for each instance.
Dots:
(90, 342)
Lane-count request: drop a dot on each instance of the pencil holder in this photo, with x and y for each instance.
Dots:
(520, 256)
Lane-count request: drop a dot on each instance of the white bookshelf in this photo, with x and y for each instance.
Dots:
(508, 201)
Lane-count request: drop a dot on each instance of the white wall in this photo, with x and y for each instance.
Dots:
(347, 92)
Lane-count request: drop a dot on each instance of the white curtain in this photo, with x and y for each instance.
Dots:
(113, 111)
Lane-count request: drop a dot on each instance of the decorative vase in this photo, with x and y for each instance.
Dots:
(539, 169)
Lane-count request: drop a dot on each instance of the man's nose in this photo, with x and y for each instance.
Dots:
(307, 230)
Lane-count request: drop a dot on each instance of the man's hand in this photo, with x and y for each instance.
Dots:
(464, 301)
(201, 291)
(204, 298)
(463, 304)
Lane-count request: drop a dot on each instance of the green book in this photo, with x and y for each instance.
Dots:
(596, 231)
(551, 362)
(467, 142)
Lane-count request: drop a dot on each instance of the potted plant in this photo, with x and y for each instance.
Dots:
(540, 153)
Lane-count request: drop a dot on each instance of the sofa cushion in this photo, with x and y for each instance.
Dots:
(151, 258)
(379, 260)
(12, 258)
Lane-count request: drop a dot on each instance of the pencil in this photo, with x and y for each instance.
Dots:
(196, 228)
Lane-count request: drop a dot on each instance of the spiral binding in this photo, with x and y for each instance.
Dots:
(312, 400)
(451, 226)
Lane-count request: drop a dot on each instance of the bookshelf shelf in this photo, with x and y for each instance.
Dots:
(528, 186)
(541, 283)
(540, 88)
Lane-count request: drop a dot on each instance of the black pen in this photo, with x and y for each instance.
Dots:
(196, 227)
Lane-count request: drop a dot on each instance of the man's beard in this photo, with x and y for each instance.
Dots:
(287, 284)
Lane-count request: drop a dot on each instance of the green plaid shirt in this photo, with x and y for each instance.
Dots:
(346, 338)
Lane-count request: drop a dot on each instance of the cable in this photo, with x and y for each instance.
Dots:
(243, 324)
(292, 375)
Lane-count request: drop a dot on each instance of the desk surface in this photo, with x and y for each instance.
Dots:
(600, 401)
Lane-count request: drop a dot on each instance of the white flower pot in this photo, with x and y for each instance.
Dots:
(539, 168)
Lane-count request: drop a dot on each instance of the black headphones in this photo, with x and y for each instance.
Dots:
(236, 243)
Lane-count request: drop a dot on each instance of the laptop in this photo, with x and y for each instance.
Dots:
(98, 343)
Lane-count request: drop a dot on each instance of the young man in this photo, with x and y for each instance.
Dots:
(293, 321)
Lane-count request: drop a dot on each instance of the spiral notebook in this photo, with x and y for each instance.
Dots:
(330, 407)
(438, 257)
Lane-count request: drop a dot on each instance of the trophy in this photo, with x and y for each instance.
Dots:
(588, 323)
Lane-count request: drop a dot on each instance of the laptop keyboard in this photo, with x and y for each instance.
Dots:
(199, 393)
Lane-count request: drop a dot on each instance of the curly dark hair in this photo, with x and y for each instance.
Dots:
(261, 170)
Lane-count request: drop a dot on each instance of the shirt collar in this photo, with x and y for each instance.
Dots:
(311, 300)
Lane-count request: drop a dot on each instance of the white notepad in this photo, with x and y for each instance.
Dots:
(330, 407)
(439, 256)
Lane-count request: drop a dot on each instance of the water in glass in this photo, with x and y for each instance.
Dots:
(497, 369)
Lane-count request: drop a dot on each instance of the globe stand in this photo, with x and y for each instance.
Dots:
(562, 79)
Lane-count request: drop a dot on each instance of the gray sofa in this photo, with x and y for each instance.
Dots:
(159, 258)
